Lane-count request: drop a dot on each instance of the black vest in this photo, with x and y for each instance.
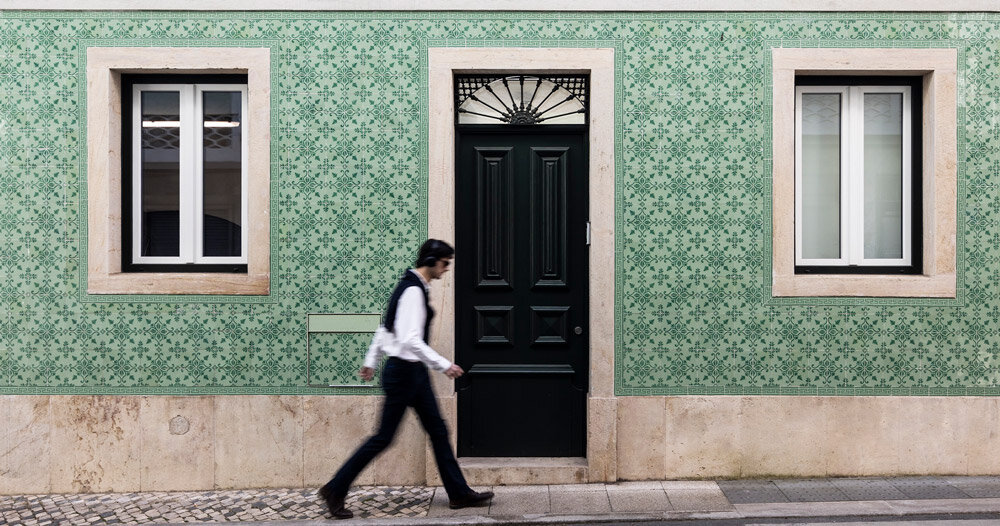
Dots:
(409, 279)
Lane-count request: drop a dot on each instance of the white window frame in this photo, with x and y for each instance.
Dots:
(852, 181)
(191, 177)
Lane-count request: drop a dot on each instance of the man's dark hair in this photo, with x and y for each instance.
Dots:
(431, 251)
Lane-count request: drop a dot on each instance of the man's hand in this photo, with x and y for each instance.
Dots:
(454, 371)
(367, 373)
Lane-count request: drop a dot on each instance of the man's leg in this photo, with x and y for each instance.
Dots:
(430, 417)
(393, 407)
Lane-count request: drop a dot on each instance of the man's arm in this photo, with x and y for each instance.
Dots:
(374, 354)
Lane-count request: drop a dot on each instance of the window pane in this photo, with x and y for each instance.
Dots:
(160, 183)
(222, 171)
(820, 175)
(883, 175)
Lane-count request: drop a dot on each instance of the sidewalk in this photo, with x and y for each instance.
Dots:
(578, 503)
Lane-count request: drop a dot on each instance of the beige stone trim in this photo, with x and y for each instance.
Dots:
(517, 5)
(104, 69)
(939, 70)
(443, 62)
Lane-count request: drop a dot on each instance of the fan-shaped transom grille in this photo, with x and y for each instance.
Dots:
(521, 99)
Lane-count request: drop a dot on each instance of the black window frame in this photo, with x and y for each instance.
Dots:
(915, 83)
(127, 82)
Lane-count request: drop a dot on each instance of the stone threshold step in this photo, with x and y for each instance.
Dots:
(495, 471)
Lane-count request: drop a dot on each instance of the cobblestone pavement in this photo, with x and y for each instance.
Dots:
(206, 506)
(610, 503)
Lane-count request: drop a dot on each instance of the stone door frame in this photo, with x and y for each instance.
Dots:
(443, 63)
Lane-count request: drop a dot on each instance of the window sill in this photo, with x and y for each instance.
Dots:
(180, 283)
(864, 285)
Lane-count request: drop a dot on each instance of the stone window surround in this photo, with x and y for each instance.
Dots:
(443, 63)
(105, 65)
(938, 67)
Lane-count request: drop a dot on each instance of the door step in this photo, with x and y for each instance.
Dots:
(508, 471)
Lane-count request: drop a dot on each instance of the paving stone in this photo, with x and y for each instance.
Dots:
(868, 489)
(810, 490)
(643, 484)
(595, 486)
(688, 485)
(520, 500)
(977, 487)
(927, 488)
(638, 500)
(710, 499)
(579, 500)
(751, 491)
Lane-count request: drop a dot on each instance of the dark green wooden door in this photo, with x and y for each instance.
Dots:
(521, 290)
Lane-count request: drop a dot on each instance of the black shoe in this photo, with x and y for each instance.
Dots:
(470, 499)
(335, 503)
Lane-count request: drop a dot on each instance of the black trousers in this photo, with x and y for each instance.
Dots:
(406, 384)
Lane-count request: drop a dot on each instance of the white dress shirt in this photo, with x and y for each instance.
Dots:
(406, 342)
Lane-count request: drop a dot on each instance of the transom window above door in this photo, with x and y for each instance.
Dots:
(522, 99)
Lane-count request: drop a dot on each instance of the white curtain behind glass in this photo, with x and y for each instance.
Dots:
(883, 175)
(821, 114)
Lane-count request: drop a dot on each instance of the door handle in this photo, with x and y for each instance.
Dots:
(578, 330)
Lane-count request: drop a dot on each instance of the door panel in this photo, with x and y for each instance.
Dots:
(507, 428)
(493, 172)
(550, 325)
(548, 216)
(521, 299)
(493, 324)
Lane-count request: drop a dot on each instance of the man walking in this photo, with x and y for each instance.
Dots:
(403, 337)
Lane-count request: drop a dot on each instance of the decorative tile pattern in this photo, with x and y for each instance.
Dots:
(337, 360)
(349, 203)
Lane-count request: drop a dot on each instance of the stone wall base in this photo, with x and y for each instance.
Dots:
(80, 444)
(806, 436)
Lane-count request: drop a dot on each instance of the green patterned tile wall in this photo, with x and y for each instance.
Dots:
(349, 201)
